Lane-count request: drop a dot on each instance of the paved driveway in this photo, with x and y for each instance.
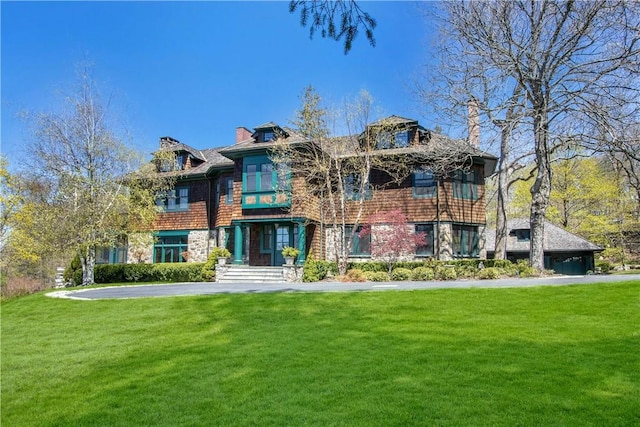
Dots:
(183, 289)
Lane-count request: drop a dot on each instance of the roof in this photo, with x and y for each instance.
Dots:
(212, 160)
(249, 145)
(556, 239)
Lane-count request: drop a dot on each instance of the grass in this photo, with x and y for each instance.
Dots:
(532, 356)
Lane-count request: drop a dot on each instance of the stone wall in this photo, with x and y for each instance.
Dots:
(200, 243)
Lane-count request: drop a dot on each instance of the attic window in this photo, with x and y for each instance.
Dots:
(181, 161)
(521, 235)
(268, 136)
(387, 140)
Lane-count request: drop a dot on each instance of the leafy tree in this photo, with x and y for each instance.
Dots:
(321, 15)
(97, 190)
(393, 239)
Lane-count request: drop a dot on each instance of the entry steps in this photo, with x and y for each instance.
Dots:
(252, 274)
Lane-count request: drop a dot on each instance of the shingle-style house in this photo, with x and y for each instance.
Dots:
(564, 252)
(227, 197)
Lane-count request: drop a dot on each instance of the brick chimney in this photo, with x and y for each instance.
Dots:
(473, 122)
(242, 134)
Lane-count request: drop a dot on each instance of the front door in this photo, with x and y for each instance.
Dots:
(283, 238)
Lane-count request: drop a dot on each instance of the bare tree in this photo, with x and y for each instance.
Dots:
(564, 57)
(321, 15)
(337, 171)
(93, 198)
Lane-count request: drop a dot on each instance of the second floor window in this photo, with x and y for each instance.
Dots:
(353, 188)
(260, 175)
(424, 183)
(464, 185)
(228, 191)
(174, 200)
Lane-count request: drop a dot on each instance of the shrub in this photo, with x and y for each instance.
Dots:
(422, 274)
(377, 276)
(523, 269)
(446, 273)
(400, 274)
(73, 273)
(354, 275)
(604, 265)
(209, 267)
(167, 272)
(489, 273)
(369, 266)
(311, 271)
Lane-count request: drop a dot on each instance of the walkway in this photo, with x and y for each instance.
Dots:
(185, 289)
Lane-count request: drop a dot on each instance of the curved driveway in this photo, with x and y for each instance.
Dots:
(184, 289)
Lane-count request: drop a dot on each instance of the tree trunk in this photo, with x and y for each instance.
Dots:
(88, 264)
(503, 188)
(541, 189)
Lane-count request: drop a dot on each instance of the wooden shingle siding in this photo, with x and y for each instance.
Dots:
(224, 211)
(195, 218)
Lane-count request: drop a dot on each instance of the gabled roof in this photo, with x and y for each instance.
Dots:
(556, 239)
(394, 121)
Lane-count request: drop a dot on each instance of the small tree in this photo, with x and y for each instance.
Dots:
(392, 238)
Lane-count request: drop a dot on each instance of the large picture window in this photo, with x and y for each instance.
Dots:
(465, 240)
(169, 247)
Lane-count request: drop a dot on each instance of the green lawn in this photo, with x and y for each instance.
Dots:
(535, 356)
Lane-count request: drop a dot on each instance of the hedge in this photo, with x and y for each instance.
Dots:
(164, 272)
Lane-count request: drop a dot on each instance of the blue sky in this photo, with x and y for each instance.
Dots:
(197, 70)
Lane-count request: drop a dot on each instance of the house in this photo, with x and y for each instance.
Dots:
(564, 252)
(237, 197)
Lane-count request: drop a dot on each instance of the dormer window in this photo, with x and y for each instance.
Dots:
(401, 139)
(181, 161)
(388, 140)
(268, 136)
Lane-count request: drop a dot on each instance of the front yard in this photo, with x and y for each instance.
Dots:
(531, 356)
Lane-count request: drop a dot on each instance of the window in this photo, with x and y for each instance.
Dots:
(387, 139)
(283, 172)
(465, 240)
(267, 239)
(268, 136)
(464, 185)
(401, 139)
(228, 199)
(169, 247)
(353, 186)
(250, 182)
(521, 235)
(259, 174)
(360, 246)
(426, 249)
(266, 177)
(181, 161)
(424, 183)
(174, 200)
